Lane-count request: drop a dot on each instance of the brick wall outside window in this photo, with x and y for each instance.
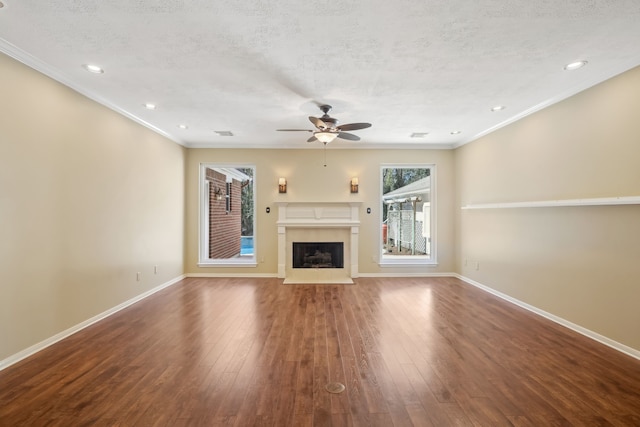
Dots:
(224, 227)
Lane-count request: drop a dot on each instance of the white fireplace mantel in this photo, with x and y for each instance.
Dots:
(321, 221)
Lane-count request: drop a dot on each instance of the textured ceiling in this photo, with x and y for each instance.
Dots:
(254, 66)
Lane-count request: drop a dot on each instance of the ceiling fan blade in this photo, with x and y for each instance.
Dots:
(354, 126)
(349, 136)
(312, 139)
(294, 130)
(318, 123)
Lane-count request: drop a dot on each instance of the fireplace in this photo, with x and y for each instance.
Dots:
(318, 255)
(314, 225)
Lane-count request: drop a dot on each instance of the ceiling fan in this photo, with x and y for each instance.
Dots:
(327, 128)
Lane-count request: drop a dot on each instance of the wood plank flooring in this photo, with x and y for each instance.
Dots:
(254, 352)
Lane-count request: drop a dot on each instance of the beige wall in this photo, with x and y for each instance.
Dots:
(87, 199)
(309, 180)
(579, 263)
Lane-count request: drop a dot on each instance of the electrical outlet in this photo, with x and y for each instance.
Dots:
(155, 269)
(138, 276)
(465, 262)
(477, 265)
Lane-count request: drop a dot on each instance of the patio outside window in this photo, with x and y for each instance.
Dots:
(407, 225)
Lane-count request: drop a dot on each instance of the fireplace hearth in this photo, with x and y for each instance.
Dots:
(318, 255)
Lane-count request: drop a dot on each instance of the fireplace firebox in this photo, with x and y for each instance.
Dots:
(318, 255)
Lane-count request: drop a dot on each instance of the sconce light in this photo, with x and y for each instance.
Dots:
(282, 185)
(354, 184)
(218, 193)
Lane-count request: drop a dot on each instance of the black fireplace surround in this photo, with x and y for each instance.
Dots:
(318, 255)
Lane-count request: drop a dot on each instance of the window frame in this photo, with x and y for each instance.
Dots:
(410, 260)
(203, 220)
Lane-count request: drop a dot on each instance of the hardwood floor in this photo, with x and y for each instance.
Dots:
(244, 352)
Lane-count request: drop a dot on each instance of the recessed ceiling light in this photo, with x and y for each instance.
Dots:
(419, 134)
(575, 65)
(224, 132)
(1, 5)
(456, 132)
(150, 106)
(498, 108)
(92, 68)
(183, 126)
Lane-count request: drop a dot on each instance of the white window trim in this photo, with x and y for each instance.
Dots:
(411, 260)
(203, 220)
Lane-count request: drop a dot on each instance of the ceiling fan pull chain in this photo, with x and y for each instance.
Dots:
(325, 154)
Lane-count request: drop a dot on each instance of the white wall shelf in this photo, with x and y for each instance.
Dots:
(602, 201)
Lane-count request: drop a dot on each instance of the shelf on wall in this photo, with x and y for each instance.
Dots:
(602, 201)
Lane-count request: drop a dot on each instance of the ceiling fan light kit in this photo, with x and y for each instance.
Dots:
(325, 137)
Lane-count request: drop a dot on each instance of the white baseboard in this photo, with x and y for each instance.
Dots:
(72, 330)
(232, 275)
(274, 275)
(559, 320)
(406, 274)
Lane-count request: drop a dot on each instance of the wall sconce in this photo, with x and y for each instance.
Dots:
(354, 184)
(282, 185)
(218, 193)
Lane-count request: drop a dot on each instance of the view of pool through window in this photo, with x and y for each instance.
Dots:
(246, 245)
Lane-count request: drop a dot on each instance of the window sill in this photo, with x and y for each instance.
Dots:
(236, 262)
(407, 261)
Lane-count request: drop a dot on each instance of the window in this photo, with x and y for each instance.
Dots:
(408, 207)
(227, 200)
